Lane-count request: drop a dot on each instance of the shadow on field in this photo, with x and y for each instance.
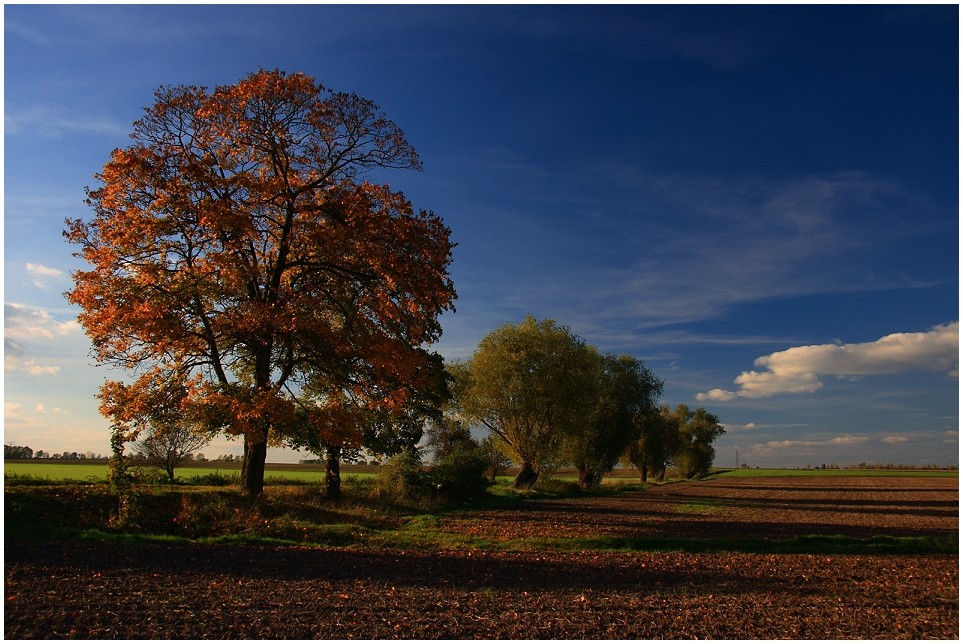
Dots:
(500, 571)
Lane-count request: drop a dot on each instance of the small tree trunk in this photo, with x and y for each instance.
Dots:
(170, 474)
(644, 473)
(526, 477)
(252, 468)
(587, 477)
(332, 473)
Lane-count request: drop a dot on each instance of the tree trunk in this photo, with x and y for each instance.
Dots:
(170, 474)
(252, 468)
(644, 473)
(587, 478)
(526, 477)
(332, 474)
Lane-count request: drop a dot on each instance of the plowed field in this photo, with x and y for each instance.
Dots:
(76, 589)
(770, 507)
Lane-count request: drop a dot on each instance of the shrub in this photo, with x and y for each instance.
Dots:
(214, 479)
(401, 480)
(460, 475)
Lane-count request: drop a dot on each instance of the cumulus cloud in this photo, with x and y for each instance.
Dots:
(797, 370)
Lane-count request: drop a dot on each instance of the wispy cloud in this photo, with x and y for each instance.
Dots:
(28, 323)
(797, 370)
(679, 249)
(23, 324)
(15, 360)
(895, 440)
(41, 274)
(55, 121)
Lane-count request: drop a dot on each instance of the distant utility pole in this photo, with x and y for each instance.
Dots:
(737, 459)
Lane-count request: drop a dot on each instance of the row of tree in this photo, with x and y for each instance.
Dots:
(547, 397)
(24, 452)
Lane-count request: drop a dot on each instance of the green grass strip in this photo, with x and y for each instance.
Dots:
(803, 544)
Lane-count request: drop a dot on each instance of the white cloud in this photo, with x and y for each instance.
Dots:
(797, 370)
(894, 440)
(41, 270)
(54, 121)
(40, 274)
(23, 323)
(766, 449)
(26, 323)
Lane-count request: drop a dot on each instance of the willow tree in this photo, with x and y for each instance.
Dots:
(237, 246)
(624, 392)
(682, 436)
(528, 384)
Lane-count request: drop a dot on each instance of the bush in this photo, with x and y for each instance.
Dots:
(214, 479)
(149, 476)
(460, 476)
(401, 480)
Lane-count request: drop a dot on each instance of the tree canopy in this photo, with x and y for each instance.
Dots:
(527, 384)
(623, 390)
(682, 436)
(236, 247)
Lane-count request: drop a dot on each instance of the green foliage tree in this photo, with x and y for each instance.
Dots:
(17, 451)
(496, 462)
(459, 474)
(446, 435)
(401, 479)
(623, 390)
(681, 436)
(698, 429)
(527, 384)
(656, 444)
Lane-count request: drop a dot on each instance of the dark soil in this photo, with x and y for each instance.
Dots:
(61, 589)
(777, 507)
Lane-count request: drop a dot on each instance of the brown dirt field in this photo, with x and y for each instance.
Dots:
(107, 591)
(771, 507)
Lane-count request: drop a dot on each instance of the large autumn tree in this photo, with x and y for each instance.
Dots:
(236, 246)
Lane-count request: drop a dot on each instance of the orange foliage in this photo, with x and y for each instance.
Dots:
(234, 241)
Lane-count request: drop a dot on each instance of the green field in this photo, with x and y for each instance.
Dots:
(749, 472)
(92, 472)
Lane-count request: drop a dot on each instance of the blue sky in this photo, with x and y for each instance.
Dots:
(759, 202)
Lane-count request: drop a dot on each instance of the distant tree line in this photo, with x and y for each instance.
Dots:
(893, 466)
(21, 452)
